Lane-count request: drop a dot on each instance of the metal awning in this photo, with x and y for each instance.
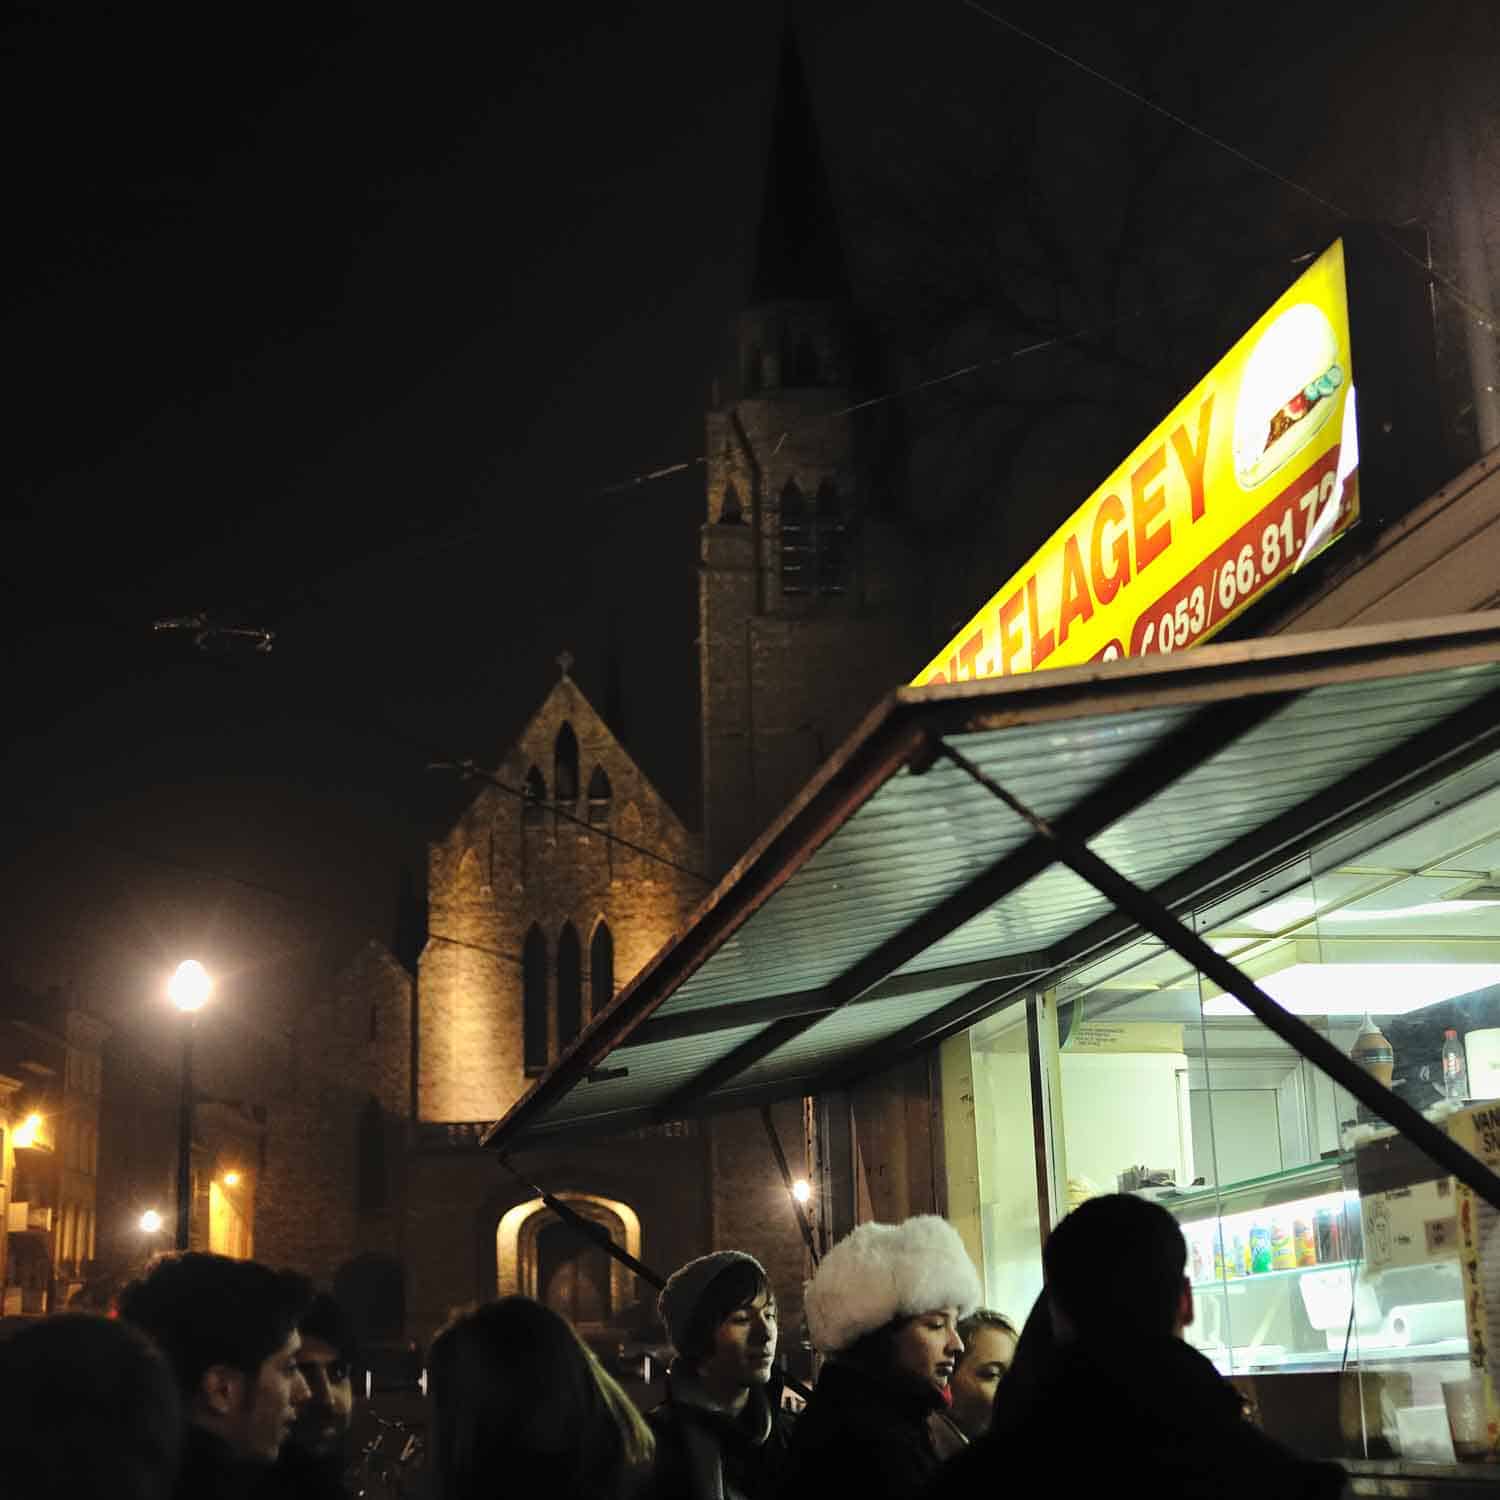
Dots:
(896, 902)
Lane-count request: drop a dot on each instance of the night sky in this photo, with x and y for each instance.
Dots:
(355, 326)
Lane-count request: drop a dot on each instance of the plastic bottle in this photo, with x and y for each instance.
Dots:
(1455, 1070)
(1283, 1247)
(1304, 1241)
(1260, 1249)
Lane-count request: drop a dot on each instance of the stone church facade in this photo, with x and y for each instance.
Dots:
(568, 870)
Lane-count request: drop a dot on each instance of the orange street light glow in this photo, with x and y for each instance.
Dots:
(190, 986)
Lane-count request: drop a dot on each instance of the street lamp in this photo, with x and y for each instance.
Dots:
(150, 1221)
(188, 988)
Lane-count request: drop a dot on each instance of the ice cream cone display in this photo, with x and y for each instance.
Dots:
(1374, 1053)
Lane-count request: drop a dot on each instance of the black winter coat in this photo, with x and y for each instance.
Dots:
(210, 1470)
(862, 1437)
(706, 1454)
(1147, 1416)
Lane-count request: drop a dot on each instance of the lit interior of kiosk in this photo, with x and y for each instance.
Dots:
(1318, 1239)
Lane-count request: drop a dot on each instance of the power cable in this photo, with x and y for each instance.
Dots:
(1479, 313)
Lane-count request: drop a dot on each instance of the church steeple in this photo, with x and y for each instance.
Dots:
(798, 256)
(785, 583)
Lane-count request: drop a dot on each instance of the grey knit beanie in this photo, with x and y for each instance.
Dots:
(685, 1288)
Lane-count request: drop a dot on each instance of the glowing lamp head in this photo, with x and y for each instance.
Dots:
(27, 1131)
(231, 1179)
(150, 1221)
(801, 1191)
(190, 986)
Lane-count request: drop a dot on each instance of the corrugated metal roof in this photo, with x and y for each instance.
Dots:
(928, 831)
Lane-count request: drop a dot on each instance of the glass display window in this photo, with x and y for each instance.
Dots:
(1319, 1239)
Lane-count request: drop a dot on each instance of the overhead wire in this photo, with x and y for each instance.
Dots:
(1329, 205)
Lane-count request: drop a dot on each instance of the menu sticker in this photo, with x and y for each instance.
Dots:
(1478, 1130)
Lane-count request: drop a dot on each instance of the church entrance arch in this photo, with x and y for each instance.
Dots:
(539, 1255)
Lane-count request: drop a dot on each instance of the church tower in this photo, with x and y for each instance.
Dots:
(798, 633)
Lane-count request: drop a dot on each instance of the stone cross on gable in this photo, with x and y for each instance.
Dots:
(565, 661)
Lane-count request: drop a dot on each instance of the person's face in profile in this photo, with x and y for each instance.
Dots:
(984, 1365)
(323, 1419)
(928, 1346)
(259, 1420)
(744, 1347)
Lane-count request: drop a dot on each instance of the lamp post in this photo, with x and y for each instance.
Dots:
(188, 988)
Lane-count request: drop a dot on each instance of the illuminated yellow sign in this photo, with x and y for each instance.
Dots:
(1248, 477)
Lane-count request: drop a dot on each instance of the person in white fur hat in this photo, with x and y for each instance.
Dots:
(883, 1308)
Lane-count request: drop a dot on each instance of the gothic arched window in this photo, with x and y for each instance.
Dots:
(754, 373)
(833, 552)
(731, 512)
(796, 541)
(569, 985)
(601, 968)
(536, 794)
(599, 796)
(534, 1000)
(565, 765)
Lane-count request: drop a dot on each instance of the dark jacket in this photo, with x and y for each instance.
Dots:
(297, 1475)
(704, 1453)
(211, 1471)
(864, 1437)
(1143, 1415)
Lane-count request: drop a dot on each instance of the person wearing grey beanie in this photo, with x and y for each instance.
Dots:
(721, 1433)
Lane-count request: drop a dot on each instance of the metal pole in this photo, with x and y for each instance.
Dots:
(786, 1181)
(185, 1136)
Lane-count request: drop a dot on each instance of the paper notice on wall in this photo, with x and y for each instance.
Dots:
(1478, 1130)
(1124, 1036)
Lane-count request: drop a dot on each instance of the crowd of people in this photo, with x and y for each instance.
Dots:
(226, 1380)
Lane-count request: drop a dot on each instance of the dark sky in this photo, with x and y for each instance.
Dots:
(338, 326)
(337, 321)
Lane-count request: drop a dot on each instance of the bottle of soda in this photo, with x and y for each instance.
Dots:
(1455, 1070)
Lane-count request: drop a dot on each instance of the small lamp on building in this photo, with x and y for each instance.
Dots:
(189, 988)
(27, 1131)
(801, 1190)
(150, 1222)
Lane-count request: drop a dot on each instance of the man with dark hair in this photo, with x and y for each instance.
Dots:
(229, 1331)
(1105, 1397)
(721, 1433)
(315, 1459)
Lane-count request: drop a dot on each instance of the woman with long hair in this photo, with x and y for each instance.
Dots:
(989, 1348)
(521, 1406)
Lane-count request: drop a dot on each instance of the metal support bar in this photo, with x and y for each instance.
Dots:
(1155, 918)
(1203, 736)
(597, 1234)
(786, 1178)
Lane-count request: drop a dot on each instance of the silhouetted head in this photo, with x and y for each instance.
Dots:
(88, 1408)
(520, 1404)
(1115, 1266)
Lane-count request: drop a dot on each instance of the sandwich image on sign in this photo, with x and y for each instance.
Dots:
(1286, 393)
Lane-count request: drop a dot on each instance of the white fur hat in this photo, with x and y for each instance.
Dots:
(885, 1271)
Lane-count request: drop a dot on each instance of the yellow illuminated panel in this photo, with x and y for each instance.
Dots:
(1247, 479)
